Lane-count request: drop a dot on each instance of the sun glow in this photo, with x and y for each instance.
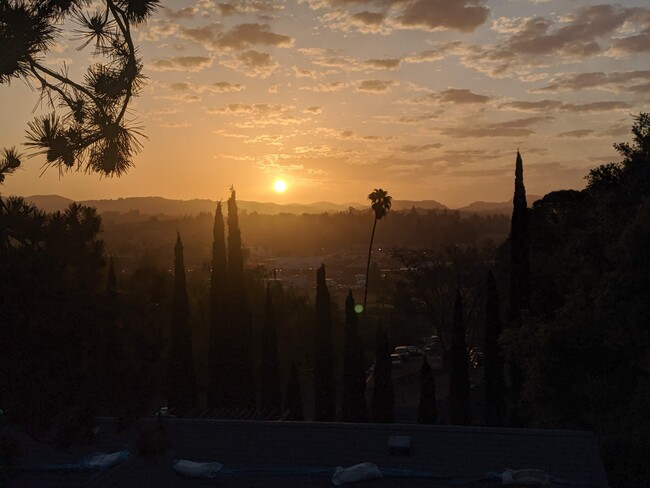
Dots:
(280, 186)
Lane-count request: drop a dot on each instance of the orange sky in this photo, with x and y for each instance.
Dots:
(429, 99)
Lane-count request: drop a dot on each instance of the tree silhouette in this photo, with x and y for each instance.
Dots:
(494, 384)
(182, 379)
(217, 312)
(240, 388)
(94, 133)
(324, 387)
(382, 405)
(459, 389)
(519, 246)
(354, 408)
(380, 203)
(427, 409)
(270, 394)
(293, 396)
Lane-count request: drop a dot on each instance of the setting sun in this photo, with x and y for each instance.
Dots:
(280, 186)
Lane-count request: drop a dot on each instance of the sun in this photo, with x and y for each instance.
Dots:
(280, 186)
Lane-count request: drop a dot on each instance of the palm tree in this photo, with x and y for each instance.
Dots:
(381, 202)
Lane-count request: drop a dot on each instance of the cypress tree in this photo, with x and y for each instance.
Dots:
(270, 396)
(293, 396)
(182, 379)
(217, 313)
(240, 389)
(324, 387)
(494, 384)
(519, 246)
(427, 410)
(354, 408)
(382, 405)
(459, 395)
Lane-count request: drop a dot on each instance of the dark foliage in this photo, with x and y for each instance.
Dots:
(270, 395)
(382, 405)
(354, 408)
(459, 388)
(494, 381)
(293, 396)
(182, 375)
(239, 388)
(217, 312)
(94, 132)
(519, 246)
(427, 409)
(324, 386)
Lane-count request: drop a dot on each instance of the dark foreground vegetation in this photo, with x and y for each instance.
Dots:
(560, 311)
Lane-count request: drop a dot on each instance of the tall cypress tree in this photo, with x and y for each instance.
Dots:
(293, 396)
(270, 395)
(382, 405)
(459, 394)
(217, 313)
(182, 379)
(519, 246)
(240, 389)
(324, 387)
(427, 410)
(494, 384)
(354, 408)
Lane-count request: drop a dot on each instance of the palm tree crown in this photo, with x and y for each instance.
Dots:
(381, 202)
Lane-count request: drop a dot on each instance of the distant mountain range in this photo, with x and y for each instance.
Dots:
(159, 205)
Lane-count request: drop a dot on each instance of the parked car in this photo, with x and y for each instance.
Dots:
(396, 360)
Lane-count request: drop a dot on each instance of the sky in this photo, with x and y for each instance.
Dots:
(427, 99)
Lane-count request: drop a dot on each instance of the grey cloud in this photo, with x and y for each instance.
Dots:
(615, 81)
(244, 7)
(313, 110)
(376, 86)
(418, 148)
(252, 63)
(461, 15)
(383, 63)
(184, 13)
(181, 63)
(511, 128)
(577, 134)
(461, 96)
(368, 18)
(245, 35)
(547, 105)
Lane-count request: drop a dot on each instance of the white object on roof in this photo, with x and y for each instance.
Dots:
(105, 461)
(358, 472)
(196, 470)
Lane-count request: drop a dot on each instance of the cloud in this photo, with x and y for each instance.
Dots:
(539, 41)
(246, 7)
(217, 87)
(245, 35)
(461, 96)
(547, 105)
(252, 63)
(390, 63)
(184, 13)
(331, 86)
(412, 149)
(460, 15)
(260, 114)
(376, 86)
(614, 81)
(313, 110)
(511, 128)
(577, 134)
(181, 63)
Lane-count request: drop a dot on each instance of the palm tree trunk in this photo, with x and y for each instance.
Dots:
(372, 238)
